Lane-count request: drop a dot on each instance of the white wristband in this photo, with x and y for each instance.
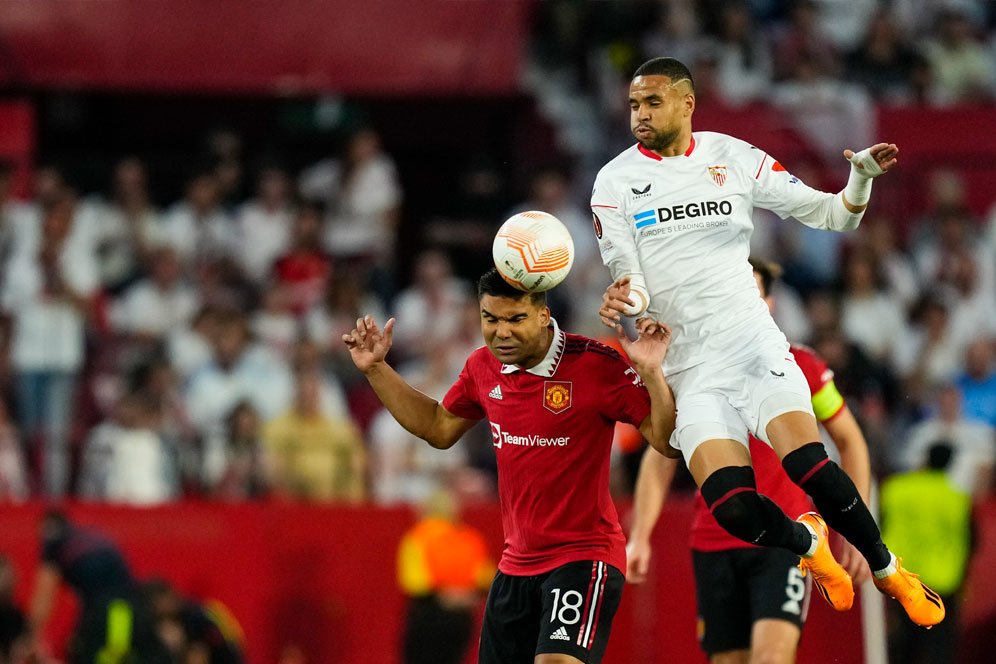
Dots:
(859, 182)
(641, 298)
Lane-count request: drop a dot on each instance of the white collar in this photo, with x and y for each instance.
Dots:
(548, 366)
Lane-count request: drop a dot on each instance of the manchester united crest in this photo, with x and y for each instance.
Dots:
(718, 174)
(556, 395)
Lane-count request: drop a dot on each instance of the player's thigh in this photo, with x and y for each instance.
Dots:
(722, 596)
(779, 598)
(778, 404)
(705, 398)
(579, 601)
(731, 657)
(510, 627)
(711, 455)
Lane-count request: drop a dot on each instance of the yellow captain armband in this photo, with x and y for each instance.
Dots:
(827, 402)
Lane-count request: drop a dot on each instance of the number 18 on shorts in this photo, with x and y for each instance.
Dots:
(567, 610)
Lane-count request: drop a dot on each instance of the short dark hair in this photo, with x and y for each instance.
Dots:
(939, 455)
(770, 272)
(673, 69)
(493, 284)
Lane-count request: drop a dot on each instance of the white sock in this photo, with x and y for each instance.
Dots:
(816, 541)
(889, 570)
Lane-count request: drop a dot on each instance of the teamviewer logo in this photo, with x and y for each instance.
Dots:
(496, 435)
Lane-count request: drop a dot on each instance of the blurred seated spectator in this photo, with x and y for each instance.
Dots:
(195, 633)
(930, 354)
(274, 323)
(428, 311)
(157, 382)
(941, 250)
(978, 383)
(235, 467)
(126, 462)
(307, 357)
(189, 348)
(744, 69)
(675, 32)
(125, 224)
(403, 468)
(973, 305)
(363, 196)
(869, 317)
(973, 445)
(802, 39)
(197, 227)
(46, 294)
(315, 457)
(15, 484)
(264, 223)
(13, 624)
(306, 269)
(151, 308)
(884, 62)
(444, 569)
(240, 370)
(14, 214)
(962, 70)
(345, 299)
(878, 236)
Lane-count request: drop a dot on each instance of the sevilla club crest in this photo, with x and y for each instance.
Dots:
(556, 395)
(718, 174)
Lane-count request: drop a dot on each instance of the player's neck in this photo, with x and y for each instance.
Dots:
(679, 147)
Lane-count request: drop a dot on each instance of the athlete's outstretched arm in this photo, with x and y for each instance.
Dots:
(617, 246)
(420, 414)
(652, 485)
(777, 190)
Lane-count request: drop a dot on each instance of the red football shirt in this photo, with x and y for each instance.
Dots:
(552, 428)
(707, 534)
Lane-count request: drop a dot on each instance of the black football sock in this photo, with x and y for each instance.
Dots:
(838, 501)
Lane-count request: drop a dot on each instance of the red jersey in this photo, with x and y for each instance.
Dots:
(552, 428)
(707, 534)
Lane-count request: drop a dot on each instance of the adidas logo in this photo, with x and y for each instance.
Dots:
(496, 393)
(560, 634)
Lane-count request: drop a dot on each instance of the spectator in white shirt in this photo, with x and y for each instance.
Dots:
(197, 227)
(154, 306)
(931, 354)
(264, 223)
(126, 462)
(973, 444)
(869, 317)
(47, 295)
(429, 310)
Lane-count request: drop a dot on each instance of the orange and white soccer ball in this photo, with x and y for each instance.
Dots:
(533, 251)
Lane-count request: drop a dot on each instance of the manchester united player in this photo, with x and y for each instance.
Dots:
(674, 218)
(552, 399)
(753, 600)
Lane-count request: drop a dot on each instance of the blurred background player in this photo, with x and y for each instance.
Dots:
(193, 632)
(113, 625)
(13, 624)
(552, 399)
(443, 568)
(753, 600)
(929, 515)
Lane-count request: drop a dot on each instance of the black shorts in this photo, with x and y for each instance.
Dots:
(566, 611)
(737, 587)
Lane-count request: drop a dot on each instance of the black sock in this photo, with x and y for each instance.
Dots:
(838, 501)
(744, 513)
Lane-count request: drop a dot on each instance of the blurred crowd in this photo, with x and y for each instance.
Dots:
(151, 352)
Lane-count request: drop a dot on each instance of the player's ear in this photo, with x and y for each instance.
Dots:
(689, 104)
(544, 316)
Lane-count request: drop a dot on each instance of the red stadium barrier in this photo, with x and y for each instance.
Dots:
(323, 578)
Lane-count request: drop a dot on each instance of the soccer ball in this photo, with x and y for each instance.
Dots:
(533, 251)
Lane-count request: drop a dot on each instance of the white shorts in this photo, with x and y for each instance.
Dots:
(729, 401)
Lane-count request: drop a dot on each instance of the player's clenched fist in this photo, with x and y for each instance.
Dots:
(367, 344)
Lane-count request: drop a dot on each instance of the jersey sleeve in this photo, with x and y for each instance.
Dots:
(827, 399)
(616, 242)
(626, 398)
(462, 399)
(775, 189)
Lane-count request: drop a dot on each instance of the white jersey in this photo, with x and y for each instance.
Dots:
(681, 227)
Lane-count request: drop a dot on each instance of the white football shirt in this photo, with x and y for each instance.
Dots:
(681, 227)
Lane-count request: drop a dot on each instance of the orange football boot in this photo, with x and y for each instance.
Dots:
(832, 580)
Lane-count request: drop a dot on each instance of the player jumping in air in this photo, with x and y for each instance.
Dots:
(673, 219)
(752, 601)
(552, 400)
